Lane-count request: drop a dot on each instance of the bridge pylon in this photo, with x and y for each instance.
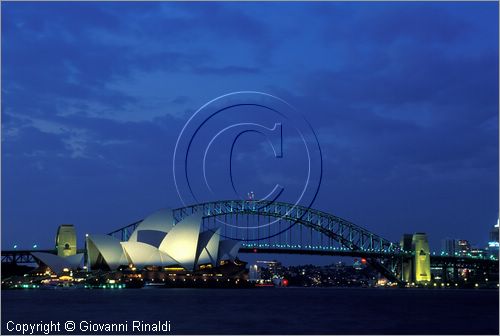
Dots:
(417, 267)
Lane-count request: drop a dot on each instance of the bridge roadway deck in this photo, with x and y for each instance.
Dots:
(321, 252)
(24, 256)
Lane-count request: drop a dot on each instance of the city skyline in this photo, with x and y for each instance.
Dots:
(406, 115)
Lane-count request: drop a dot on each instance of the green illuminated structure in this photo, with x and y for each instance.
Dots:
(418, 268)
(66, 240)
(422, 259)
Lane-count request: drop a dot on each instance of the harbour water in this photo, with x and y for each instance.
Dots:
(261, 311)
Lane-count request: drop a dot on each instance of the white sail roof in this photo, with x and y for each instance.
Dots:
(108, 247)
(181, 242)
(153, 228)
(157, 242)
(208, 247)
(141, 254)
(228, 249)
(76, 259)
(56, 263)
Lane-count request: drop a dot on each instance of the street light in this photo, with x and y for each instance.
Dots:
(15, 246)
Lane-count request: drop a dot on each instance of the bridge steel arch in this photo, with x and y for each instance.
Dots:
(348, 234)
(353, 239)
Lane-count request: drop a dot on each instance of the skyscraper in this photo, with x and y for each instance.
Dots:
(494, 233)
(449, 246)
(493, 244)
(463, 247)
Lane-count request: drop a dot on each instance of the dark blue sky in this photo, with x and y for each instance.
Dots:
(403, 97)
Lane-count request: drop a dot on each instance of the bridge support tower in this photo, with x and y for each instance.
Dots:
(416, 269)
(66, 240)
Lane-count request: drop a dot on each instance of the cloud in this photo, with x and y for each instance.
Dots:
(404, 98)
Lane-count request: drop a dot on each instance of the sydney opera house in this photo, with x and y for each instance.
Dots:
(158, 242)
(158, 247)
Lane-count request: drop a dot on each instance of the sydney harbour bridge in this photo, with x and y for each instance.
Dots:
(283, 228)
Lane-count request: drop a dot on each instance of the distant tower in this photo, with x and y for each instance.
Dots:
(254, 273)
(66, 240)
(494, 232)
(493, 245)
(449, 246)
(422, 260)
(463, 247)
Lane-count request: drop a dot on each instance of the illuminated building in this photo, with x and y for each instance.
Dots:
(418, 268)
(104, 252)
(357, 265)
(422, 261)
(493, 245)
(66, 257)
(494, 232)
(66, 240)
(477, 252)
(463, 247)
(58, 264)
(273, 266)
(449, 246)
(158, 242)
(254, 273)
